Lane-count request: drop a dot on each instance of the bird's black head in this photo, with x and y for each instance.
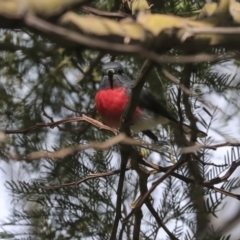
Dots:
(113, 76)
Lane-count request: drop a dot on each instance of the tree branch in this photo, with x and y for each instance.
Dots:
(125, 152)
(104, 13)
(70, 150)
(90, 176)
(54, 124)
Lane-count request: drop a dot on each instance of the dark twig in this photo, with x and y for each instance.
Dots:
(143, 174)
(136, 90)
(211, 164)
(196, 147)
(117, 5)
(233, 195)
(176, 81)
(105, 13)
(226, 144)
(161, 179)
(120, 237)
(66, 120)
(137, 224)
(158, 220)
(154, 185)
(193, 166)
(225, 177)
(73, 110)
(125, 152)
(181, 132)
(88, 74)
(45, 113)
(185, 80)
(90, 176)
(208, 184)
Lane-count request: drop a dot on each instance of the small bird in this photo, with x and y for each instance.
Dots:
(113, 95)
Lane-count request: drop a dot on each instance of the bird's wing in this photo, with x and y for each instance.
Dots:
(149, 102)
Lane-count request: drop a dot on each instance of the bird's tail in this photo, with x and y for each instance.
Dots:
(187, 129)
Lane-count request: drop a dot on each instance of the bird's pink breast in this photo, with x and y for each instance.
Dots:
(111, 104)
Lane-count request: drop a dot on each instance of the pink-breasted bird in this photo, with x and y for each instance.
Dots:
(113, 95)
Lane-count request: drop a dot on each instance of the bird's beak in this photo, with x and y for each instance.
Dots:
(110, 77)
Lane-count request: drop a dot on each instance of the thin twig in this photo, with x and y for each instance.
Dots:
(225, 144)
(233, 195)
(143, 174)
(208, 184)
(154, 185)
(90, 176)
(176, 81)
(125, 152)
(92, 121)
(185, 80)
(88, 74)
(180, 124)
(211, 164)
(225, 177)
(102, 13)
(158, 220)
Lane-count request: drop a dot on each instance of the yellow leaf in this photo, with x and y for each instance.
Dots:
(207, 10)
(127, 30)
(47, 8)
(140, 6)
(234, 10)
(9, 8)
(156, 23)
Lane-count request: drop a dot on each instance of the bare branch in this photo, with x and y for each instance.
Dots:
(88, 74)
(233, 195)
(225, 177)
(125, 152)
(158, 220)
(154, 185)
(70, 150)
(67, 120)
(176, 81)
(137, 223)
(136, 90)
(104, 13)
(90, 176)
(143, 174)
(226, 144)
